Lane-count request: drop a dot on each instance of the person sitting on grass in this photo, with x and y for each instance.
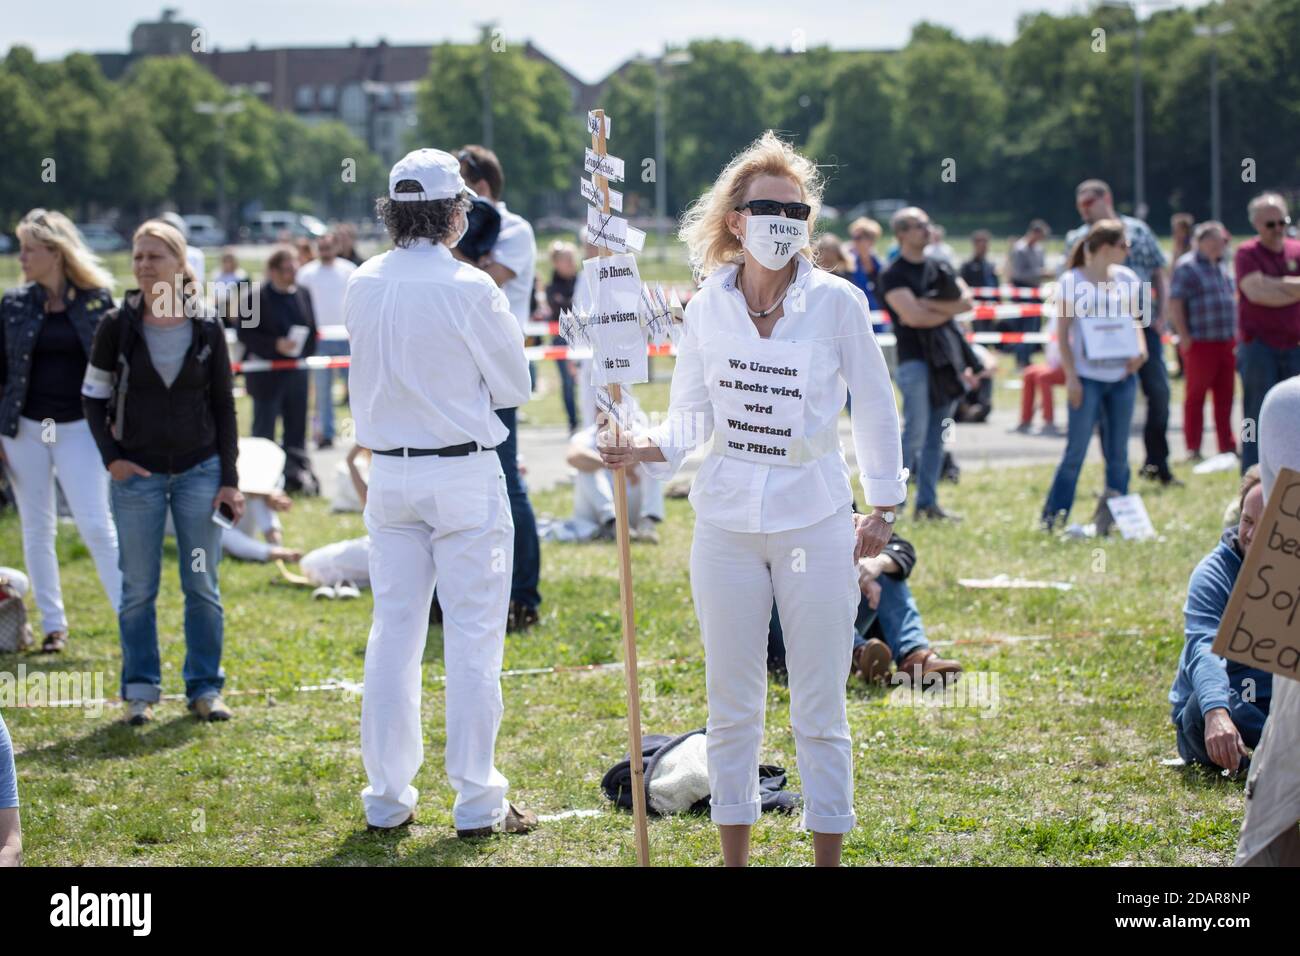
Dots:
(1219, 706)
(888, 627)
(593, 497)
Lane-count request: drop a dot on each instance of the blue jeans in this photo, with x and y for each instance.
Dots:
(528, 548)
(1261, 367)
(140, 508)
(899, 618)
(323, 381)
(922, 429)
(1107, 403)
(568, 387)
(1189, 726)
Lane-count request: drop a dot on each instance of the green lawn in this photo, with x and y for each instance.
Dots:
(1064, 771)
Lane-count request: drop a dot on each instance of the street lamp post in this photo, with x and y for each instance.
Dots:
(1213, 32)
(486, 29)
(1139, 131)
(221, 111)
(675, 58)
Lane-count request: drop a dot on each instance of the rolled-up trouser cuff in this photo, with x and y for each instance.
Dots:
(736, 814)
(824, 824)
(150, 692)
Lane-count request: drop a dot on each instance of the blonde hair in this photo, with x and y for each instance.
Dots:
(81, 267)
(709, 243)
(830, 253)
(170, 237)
(868, 225)
(1103, 232)
(562, 247)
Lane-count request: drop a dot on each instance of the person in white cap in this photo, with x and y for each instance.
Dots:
(435, 350)
(769, 346)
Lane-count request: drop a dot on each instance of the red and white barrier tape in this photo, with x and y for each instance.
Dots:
(1014, 293)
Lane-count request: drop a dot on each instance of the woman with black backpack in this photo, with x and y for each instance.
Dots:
(158, 398)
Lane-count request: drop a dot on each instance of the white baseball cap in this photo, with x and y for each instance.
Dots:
(438, 174)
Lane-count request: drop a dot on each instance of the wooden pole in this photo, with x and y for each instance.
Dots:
(625, 573)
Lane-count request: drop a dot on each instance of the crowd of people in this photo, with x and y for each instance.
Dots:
(130, 404)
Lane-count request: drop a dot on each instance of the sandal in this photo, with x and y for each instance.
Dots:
(55, 641)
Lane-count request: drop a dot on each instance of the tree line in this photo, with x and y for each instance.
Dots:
(978, 131)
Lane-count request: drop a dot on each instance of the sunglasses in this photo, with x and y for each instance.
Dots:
(1278, 223)
(466, 157)
(770, 207)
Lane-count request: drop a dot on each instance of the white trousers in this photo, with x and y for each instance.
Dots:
(32, 462)
(593, 497)
(734, 577)
(446, 519)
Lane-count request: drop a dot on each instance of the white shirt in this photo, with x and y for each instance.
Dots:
(435, 349)
(326, 285)
(198, 265)
(516, 249)
(1089, 301)
(740, 495)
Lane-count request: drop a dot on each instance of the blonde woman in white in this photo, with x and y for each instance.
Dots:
(769, 346)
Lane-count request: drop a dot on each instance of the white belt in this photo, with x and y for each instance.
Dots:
(802, 451)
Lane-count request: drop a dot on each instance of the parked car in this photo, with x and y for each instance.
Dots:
(205, 230)
(272, 225)
(6, 244)
(101, 237)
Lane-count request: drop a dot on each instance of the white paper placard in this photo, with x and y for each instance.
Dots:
(612, 232)
(614, 327)
(1108, 339)
(594, 128)
(611, 167)
(593, 195)
(1131, 517)
(758, 387)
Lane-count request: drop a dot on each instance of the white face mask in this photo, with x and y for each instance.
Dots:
(774, 240)
(463, 229)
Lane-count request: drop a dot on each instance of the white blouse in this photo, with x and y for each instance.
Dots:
(822, 343)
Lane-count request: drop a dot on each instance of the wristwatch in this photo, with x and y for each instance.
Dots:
(888, 516)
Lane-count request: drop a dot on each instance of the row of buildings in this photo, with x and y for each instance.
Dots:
(371, 89)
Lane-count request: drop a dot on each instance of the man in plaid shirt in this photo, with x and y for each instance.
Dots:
(1093, 199)
(1203, 311)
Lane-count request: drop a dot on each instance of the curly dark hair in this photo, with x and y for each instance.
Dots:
(408, 221)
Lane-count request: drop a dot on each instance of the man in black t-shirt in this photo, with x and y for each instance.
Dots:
(922, 295)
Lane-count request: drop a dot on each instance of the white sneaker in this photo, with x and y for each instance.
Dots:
(324, 593)
(138, 712)
(346, 591)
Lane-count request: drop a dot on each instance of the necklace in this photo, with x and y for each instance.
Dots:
(762, 313)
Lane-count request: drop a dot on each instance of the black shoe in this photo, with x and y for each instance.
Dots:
(521, 617)
(935, 513)
(1149, 472)
(325, 443)
(1172, 481)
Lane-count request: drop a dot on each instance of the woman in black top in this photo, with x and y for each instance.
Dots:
(158, 398)
(46, 328)
(284, 311)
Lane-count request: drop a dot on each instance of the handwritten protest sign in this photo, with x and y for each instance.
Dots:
(1261, 624)
(602, 164)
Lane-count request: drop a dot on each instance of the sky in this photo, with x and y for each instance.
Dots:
(590, 39)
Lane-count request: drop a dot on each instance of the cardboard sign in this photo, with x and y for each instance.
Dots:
(1261, 624)
(1131, 517)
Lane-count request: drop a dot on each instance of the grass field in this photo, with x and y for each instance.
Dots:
(1064, 770)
